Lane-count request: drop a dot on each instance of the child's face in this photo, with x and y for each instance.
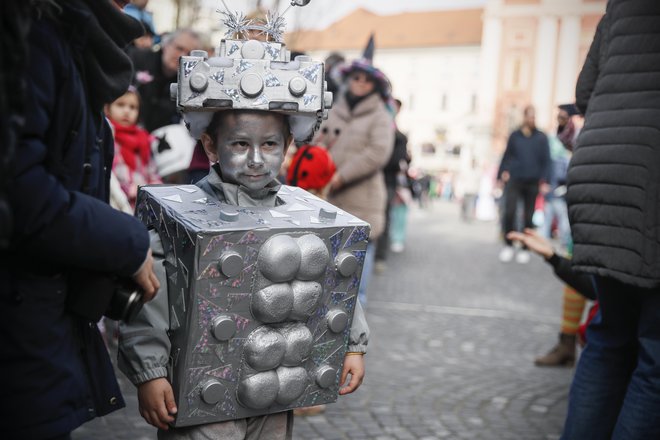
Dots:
(249, 147)
(124, 110)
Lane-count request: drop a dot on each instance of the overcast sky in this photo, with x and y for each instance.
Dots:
(321, 13)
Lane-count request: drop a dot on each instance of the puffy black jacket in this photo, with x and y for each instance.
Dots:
(55, 372)
(614, 175)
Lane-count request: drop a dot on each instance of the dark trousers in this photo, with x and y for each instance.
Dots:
(616, 389)
(383, 244)
(519, 190)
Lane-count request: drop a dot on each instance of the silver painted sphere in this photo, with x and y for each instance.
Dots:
(253, 49)
(346, 263)
(251, 85)
(314, 257)
(273, 303)
(325, 376)
(337, 320)
(264, 348)
(299, 342)
(297, 86)
(293, 382)
(198, 82)
(223, 327)
(259, 391)
(306, 297)
(279, 258)
(212, 392)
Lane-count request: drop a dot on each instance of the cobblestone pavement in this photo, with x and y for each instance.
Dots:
(453, 337)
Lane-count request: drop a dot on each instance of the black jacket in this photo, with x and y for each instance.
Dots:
(55, 372)
(527, 158)
(614, 175)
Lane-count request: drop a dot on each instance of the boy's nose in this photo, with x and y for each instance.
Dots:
(255, 158)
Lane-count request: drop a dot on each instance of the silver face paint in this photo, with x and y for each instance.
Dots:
(250, 148)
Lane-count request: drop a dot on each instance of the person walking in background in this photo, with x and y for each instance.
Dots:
(155, 71)
(133, 165)
(525, 166)
(67, 240)
(613, 203)
(398, 163)
(359, 134)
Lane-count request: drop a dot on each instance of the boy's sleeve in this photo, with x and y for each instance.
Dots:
(359, 337)
(144, 346)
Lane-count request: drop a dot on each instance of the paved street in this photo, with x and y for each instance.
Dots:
(453, 337)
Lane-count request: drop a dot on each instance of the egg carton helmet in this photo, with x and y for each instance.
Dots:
(252, 75)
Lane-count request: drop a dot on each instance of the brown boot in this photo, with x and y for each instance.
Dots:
(561, 355)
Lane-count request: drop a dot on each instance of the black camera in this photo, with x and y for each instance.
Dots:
(95, 295)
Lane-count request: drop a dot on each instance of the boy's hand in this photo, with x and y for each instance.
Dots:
(156, 400)
(353, 365)
(146, 279)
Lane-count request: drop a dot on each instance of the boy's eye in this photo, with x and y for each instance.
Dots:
(270, 144)
(241, 144)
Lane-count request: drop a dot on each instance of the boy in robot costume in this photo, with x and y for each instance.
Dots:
(247, 148)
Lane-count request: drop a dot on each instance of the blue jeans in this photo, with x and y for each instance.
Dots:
(616, 389)
(367, 269)
(555, 207)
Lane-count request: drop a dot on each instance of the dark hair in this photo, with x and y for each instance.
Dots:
(219, 117)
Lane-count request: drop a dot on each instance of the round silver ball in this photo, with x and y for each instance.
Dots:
(293, 382)
(306, 297)
(273, 303)
(314, 257)
(212, 392)
(231, 263)
(337, 320)
(198, 82)
(346, 263)
(297, 86)
(279, 258)
(259, 391)
(325, 376)
(264, 349)
(299, 342)
(228, 215)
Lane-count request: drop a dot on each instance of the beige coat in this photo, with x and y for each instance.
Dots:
(360, 142)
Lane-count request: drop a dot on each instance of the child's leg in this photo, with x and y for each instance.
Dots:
(277, 426)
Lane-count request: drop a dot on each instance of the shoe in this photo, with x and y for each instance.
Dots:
(506, 254)
(309, 410)
(522, 257)
(561, 355)
(397, 248)
(380, 266)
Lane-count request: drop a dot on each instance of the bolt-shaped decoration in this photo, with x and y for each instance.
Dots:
(223, 328)
(212, 392)
(325, 376)
(253, 49)
(327, 99)
(346, 263)
(231, 263)
(198, 82)
(228, 215)
(297, 86)
(337, 320)
(251, 85)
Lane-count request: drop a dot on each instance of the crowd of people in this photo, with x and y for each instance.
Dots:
(91, 119)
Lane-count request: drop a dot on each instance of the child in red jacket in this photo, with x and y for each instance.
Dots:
(133, 165)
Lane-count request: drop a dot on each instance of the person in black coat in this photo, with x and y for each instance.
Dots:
(614, 208)
(155, 71)
(54, 368)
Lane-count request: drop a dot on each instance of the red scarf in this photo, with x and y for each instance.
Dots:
(133, 142)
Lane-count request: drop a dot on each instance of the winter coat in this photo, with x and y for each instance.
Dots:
(54, 368)
(360, 142)
(527, 159)
(614, 175)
